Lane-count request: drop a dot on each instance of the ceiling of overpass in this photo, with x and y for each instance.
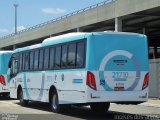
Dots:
(148, 21)
(101, 26)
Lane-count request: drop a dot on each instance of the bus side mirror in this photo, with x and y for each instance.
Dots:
(9, 71)
(9, 64)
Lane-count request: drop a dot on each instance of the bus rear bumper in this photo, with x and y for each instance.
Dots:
(118, 96)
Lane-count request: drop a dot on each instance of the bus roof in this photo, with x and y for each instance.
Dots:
(70, 37)
(54, 40)
(7, 51)
(79, 35)
(64, 38)
(27, 48)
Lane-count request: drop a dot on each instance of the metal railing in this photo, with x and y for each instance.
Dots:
(59, 18)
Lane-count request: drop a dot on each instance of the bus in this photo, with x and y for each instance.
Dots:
(82, 69)
(4, 77)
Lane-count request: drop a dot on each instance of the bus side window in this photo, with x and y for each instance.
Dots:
(51, 61)
(14, 66)
(31, 60)
(27, 61)
(80, 54)
(23, 67)
(20, 62)
(41, 59)
(36, 59)
(46, 58)
(72, 55)
(57, 57)
(64, 56)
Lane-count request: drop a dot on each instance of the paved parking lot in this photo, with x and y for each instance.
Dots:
(41, 111)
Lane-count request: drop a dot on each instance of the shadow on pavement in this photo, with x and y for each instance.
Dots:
(86, 113)
(5, 98)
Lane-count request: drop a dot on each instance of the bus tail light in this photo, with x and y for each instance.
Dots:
(91, 80)
(146, 81)
(2, 80)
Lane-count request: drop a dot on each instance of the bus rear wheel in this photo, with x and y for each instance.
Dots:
(21, 99)
(54, 102)
(100, 107)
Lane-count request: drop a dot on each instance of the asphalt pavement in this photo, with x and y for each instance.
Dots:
(11, 110)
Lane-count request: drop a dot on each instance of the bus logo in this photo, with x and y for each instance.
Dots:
(109, 78)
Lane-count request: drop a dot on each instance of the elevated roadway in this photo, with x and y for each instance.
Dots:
(141, 16)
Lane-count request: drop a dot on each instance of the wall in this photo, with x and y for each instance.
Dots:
(154, 78)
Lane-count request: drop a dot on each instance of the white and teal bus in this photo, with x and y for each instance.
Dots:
(4, 78)
(82, 69)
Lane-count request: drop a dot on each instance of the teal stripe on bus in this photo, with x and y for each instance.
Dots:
(77, 81)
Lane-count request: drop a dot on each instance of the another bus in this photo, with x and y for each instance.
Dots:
(82, 69)
(4, 78)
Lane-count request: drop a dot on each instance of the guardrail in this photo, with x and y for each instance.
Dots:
(59, 18)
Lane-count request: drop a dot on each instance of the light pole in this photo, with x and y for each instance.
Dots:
(15, 5)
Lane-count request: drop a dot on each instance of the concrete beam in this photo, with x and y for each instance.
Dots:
(118, 24)
(144, 30)
(104, 28)
(144, 19)
(115, 9)
(14, 47)
(79, 29)
(126, 7)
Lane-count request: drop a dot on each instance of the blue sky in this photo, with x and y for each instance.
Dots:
(33, 12)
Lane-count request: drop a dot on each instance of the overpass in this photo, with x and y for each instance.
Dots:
(140, 16)
(120, 15)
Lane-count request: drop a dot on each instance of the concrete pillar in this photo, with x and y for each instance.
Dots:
(79, 30)
(144, 30)
(14, 47)
(118, 24)
(50, 35)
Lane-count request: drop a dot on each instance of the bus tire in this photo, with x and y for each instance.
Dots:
(54, 102)
(100, 107)
(21, 99)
